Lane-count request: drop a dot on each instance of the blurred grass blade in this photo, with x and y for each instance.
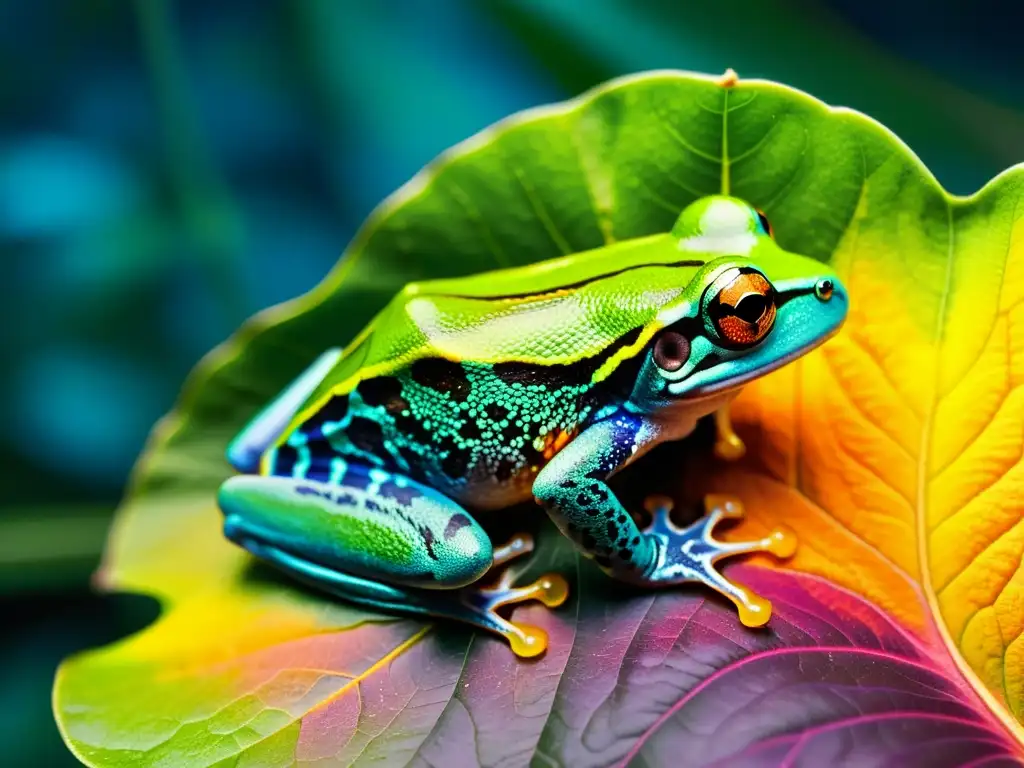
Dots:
(48, 548)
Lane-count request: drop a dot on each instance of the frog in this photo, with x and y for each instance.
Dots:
(365, 477)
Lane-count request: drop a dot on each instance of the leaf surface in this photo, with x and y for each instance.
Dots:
(893, 452)
(634, 680)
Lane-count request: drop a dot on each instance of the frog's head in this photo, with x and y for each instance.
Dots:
(750, 309)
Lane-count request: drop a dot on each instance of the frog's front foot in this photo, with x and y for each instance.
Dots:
(483, 602)
(690, 554)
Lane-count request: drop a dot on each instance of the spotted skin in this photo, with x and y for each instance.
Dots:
(574, 490)
(477, 433)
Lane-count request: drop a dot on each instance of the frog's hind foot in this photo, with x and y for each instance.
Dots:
(690, 554)
(551, 589)
(474, 604)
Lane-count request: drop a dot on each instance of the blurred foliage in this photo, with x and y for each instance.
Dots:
(168, 169)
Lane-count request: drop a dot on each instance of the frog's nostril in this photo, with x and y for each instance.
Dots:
(824, 289)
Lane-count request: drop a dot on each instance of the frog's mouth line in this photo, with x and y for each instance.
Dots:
(744, 378)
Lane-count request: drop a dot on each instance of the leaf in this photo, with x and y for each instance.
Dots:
(636, 678)
(893, 452)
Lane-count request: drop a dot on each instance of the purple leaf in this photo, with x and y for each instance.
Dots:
(671, 679)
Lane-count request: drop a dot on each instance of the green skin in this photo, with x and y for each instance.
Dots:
(541, 381)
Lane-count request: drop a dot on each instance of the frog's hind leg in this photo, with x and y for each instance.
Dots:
(245, 451)
(368, 523)
(383, 541)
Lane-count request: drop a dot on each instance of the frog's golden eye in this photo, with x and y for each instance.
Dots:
(743, 310)
(765, 224)
(671, 351)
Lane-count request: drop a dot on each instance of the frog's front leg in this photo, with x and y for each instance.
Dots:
(574, 491)
(384, 541)
(251, 443)
(728, 444)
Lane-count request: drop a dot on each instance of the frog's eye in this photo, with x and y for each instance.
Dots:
(671, 351)
(743, 310)
(765, 224)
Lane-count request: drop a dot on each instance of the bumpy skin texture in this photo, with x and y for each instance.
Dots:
(542, 381)
(586, 509)
(476, 432)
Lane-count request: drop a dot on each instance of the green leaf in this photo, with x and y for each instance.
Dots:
(868, 449)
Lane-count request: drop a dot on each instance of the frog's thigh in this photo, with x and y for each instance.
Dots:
(387, 528)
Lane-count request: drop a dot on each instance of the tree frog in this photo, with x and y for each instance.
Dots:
(364, 477)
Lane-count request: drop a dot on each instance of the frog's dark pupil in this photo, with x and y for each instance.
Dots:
(751, 307)
(671, 351)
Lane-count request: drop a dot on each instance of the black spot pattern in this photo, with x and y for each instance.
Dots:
(428, 541)
(366, 435)
(511, 431)
(442, 376)
(600, 493)
(413, 428)
(470, 430)
(455, 463)
(460, 427)
(284, 460)
(516, 373)
(333, 410)
(411, 458)
(457, 522)
(496, 412)
(401, 494)
(383, 392)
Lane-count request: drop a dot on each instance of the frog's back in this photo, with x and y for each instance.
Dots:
(471, 385)
(555, 312)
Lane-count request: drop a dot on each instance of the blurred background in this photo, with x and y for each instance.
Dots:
(168, 169)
